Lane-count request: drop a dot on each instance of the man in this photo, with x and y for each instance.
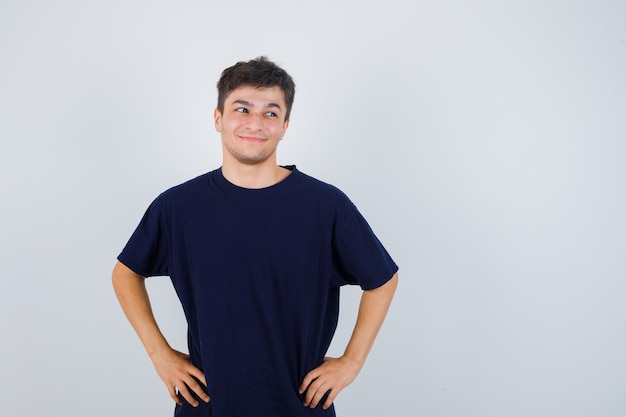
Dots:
(256, 253)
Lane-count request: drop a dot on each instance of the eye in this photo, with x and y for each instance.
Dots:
(271, 114)
(241, 110)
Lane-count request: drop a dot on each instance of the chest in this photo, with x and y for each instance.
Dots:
(222, 242)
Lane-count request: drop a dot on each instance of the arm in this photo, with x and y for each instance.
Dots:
(336, 373)
(173, 367)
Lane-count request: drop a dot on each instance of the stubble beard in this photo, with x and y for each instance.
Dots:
(249, 158)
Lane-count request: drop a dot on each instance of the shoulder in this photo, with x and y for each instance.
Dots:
(320, 195)
(185, 191)
(317, 186)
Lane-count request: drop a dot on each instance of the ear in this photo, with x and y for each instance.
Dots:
(285, 126)
(217, 118)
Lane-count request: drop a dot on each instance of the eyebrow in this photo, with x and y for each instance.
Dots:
(246, 103)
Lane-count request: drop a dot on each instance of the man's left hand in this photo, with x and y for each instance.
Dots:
(333, 375)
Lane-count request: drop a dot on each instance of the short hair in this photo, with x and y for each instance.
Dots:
(259, 73)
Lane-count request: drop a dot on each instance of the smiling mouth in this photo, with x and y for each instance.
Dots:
(254, 139)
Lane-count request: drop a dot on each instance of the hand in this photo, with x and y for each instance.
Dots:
(180, 376)
(333, 375)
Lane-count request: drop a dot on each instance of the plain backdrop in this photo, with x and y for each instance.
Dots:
(484, 141)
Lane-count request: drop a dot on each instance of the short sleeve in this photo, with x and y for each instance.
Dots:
(361, 258)
(147, 251)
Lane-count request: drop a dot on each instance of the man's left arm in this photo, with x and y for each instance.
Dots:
(336, 373)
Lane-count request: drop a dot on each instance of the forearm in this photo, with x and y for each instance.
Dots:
(335, 374)
(372, 311)
(180, 376)
(132, 295)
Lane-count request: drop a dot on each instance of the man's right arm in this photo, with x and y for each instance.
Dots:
(174, 368)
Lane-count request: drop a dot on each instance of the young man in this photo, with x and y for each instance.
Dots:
(257, 253)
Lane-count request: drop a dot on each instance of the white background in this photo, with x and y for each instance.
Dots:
(483, 141)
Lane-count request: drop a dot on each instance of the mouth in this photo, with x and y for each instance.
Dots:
(252, 139)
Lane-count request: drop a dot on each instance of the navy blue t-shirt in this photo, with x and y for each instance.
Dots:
(258, 273)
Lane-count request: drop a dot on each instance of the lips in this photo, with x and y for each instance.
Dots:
(253, 139)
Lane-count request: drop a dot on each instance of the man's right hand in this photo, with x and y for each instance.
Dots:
(174, 368)
(180, 376)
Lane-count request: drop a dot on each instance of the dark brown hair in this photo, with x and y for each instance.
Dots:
(259, 73)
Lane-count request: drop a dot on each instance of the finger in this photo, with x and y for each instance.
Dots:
(174, 395)
(309, 392)
(330, 399)
(194, 386)
(184, 391)
(312, 391)
(198, 374)
(308, 379)
(319, 394)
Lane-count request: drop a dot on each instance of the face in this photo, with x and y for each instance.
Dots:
(252, 125)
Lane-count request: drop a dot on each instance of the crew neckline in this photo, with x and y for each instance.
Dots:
(280, 184)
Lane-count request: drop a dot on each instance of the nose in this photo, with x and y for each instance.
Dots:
(254, 122)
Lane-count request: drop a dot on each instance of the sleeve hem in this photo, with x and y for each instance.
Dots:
(132, 265)
(380, 282)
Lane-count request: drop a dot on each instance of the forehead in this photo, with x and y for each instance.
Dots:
(256, 96)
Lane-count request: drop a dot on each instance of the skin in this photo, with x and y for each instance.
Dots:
(336, 373)
(173, 367)
(251, 125)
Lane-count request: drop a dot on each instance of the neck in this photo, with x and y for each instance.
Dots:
(254, 176)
